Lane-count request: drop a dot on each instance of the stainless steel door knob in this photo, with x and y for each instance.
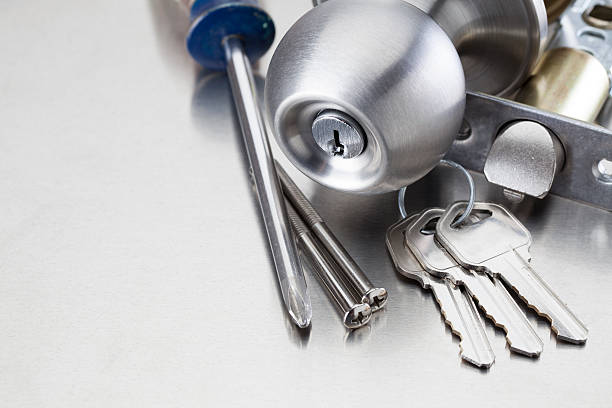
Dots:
(365, 96)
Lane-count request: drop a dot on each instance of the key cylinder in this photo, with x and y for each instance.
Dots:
(338, 134)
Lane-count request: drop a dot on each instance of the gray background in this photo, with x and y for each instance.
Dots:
(133, 266)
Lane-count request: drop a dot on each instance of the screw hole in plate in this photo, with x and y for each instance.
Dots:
(465, 131)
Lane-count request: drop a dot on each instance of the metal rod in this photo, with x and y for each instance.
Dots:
(351, 272)
(269, 193)
(354, 314)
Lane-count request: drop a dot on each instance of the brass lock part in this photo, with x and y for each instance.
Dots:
(569, 82)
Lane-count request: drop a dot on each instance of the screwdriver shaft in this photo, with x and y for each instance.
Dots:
(269, 193)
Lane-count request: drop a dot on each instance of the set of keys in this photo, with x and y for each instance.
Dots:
(482, 254)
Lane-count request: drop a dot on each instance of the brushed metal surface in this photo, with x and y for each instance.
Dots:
(499, 41)
(131, 250)
(525, 158)
(388, 66)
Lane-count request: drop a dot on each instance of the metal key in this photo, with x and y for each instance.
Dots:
(458, 309)
(491, 296)
(499, 245)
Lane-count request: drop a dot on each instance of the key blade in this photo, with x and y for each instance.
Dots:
(501, 308)
(458, 310)
(503, 311)
(460, 314)
(517, 273)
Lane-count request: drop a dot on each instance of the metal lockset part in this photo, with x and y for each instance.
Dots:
(499, 41)
(524, 159)
(585, 173)
(357, 99)
(572, 79)
(338, 134)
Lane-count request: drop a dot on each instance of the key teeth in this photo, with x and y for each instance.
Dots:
(464, 355)
(523, 351)
(553, 326)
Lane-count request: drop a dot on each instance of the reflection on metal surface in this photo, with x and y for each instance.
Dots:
(408, 100)
(211, 97)
(499, 41)
(569, 82)
(525, 158)
(584, 144)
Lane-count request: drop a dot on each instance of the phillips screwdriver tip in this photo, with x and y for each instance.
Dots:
(299, 308)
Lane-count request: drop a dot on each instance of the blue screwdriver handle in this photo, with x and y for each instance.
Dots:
(212, 21)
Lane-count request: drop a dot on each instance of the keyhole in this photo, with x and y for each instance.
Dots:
(338, 147)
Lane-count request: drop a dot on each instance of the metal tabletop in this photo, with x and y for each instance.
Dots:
(134, 269)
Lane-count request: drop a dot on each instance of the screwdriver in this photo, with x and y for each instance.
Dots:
(228, 35)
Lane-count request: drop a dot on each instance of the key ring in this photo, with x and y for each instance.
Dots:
(401, 198)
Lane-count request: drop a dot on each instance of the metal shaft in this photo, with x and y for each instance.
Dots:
(351, 272)
(269, 194)
(354, 314)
